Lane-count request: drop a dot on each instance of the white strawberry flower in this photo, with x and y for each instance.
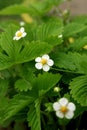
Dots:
(64, 108)
(44, 62)
(20, 34)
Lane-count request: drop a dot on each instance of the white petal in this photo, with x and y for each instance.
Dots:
(56, 106)
(59, 114)
(17, 38)
(38, 66)
(60, 36)
(24, 34)
(71, 106)
(69, 115)
(50, 62)
(14, 38)
(46, 68)
(63, 101)
(45, 56)
(17, 32)
(22, 29)
(38, 59)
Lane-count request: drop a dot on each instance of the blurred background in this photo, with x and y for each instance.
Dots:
(76, 7)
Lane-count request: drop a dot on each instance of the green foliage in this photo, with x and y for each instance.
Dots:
(40, 86)
(5, 3)
(79, 89)
(14, 9)
(73, 62)
(33, 116)
(27, 94)
(50, 29)
(19, 52)
(3, 87)
(80, 19)
(48, 32)
(78, 44)
(22, 85)
(43, 83)
(14, 106)
(39, 8)
(73, 28)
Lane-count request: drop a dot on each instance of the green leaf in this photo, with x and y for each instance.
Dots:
(38, 8)
(42, 7)
(43, 83)
(15, 52)
(78, 44)
(23, 85)
(80, 19)
(47, 32)
(33, 50)
(3, 88)
(79, 110)
(63, 60)
(74, 62)
(73, 28)
(79, 89)
(15, 105)
(26, 71)
(34, 116)
(50, 29)
(5, 23)
(5, 3)
(54, 40)
(14, 10)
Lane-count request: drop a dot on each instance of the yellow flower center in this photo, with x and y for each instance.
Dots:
(64, 109)
(44, 61)
(19, 34)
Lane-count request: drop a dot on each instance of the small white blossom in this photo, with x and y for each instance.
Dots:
(20, 34)
(60, 36)
(22, 23)
(64, 108)
(44, 62)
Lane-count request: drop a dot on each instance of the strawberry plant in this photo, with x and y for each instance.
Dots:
(43, 67)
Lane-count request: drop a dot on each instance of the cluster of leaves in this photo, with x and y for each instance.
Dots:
(26, 94)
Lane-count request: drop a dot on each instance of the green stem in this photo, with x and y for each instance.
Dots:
(63, 127)
(63, 124)
(79, 121)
